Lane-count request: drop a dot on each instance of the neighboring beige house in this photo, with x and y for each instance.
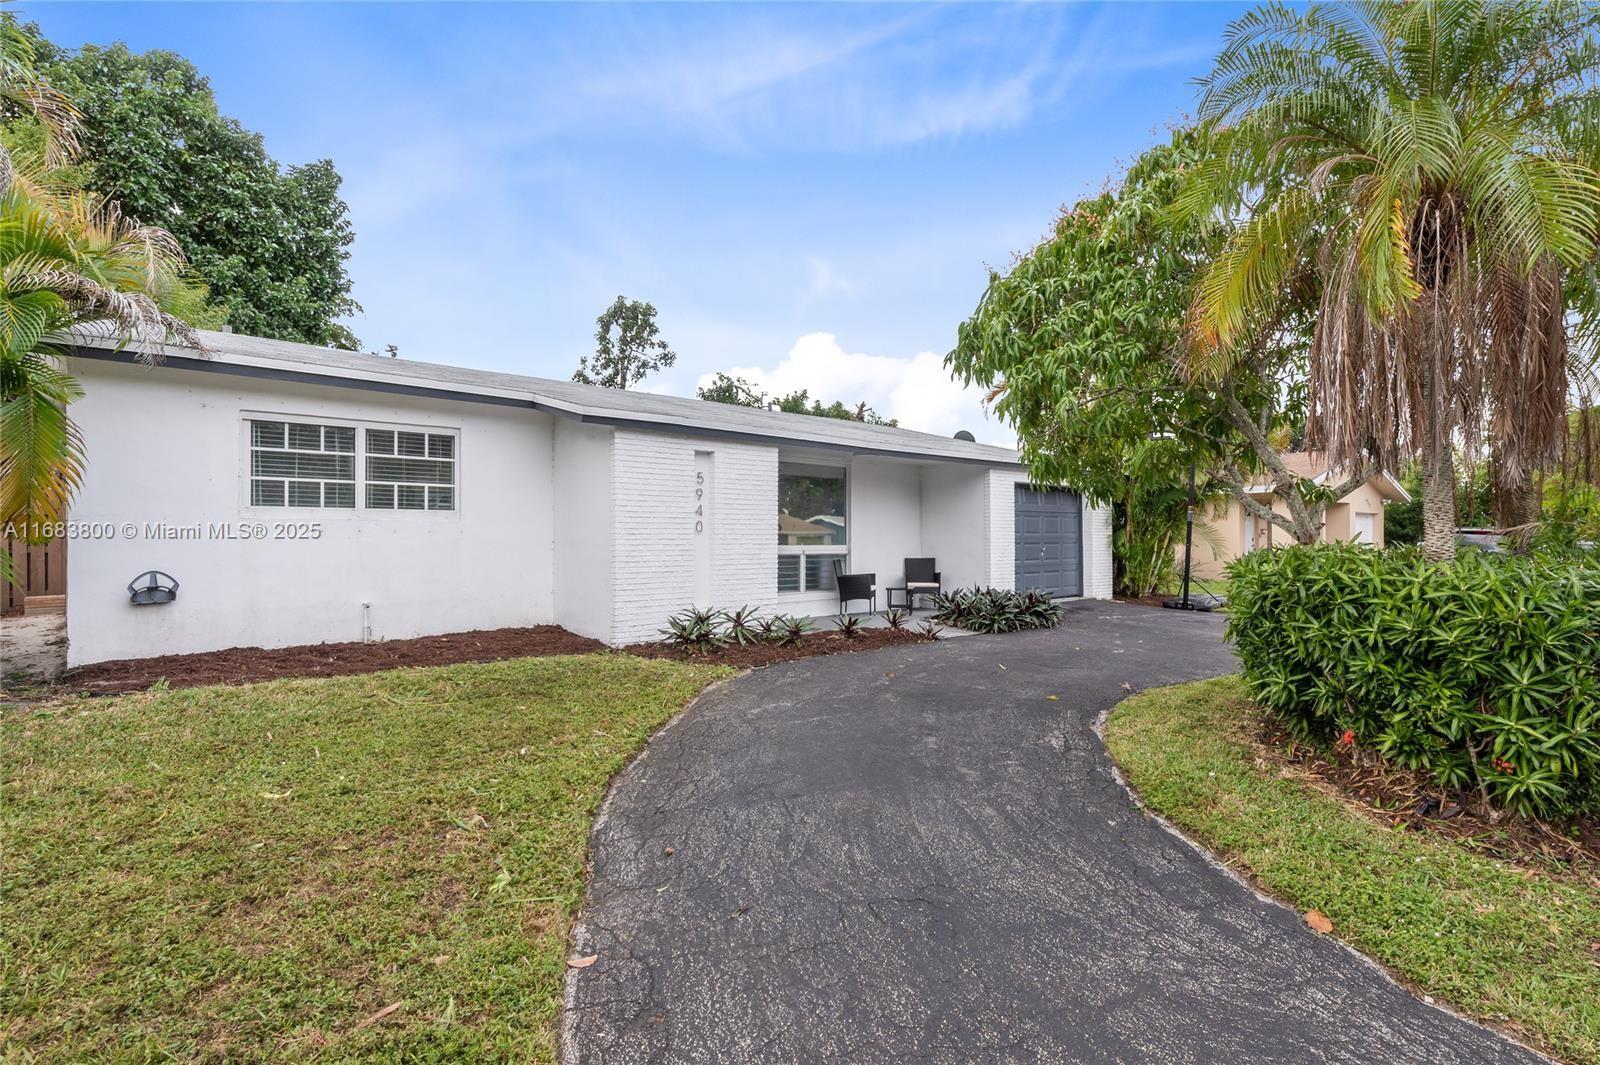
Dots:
(1357, 516)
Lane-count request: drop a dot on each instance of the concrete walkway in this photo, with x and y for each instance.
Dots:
(915, 855)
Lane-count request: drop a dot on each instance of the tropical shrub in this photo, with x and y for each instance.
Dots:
(1484, 673)
(695, 630)
(896, 618)
(930, 629)
(848, 625)
(743, 626)
(792, 629)
(996, 609)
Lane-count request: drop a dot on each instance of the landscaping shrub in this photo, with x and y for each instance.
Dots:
(791, 629)
(695, 630)
(848, 625)
(996, 609)
(744, 628)
(1484, 672)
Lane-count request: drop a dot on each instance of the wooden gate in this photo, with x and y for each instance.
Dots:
(42, 570)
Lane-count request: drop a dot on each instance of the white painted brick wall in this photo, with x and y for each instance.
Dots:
(653, 502)
(1003, 527)
(745, 545)
(1096, 551)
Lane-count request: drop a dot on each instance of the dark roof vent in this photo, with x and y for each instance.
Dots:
(968, 437)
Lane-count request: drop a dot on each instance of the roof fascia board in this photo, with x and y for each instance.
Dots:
(239, 366)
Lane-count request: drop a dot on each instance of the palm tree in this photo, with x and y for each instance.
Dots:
(68, 260)
(1434, 167)
(22, 91)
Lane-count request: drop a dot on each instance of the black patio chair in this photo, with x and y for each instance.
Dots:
(855, 586)
(921, 579)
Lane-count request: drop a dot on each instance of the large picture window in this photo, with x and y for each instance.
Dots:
(305, 464)
(813, 529)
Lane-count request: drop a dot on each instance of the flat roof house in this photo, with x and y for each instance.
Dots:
(299, 495)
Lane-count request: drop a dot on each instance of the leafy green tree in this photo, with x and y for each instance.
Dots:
(272, 242)
(725, 388)
(628, 347)
(741, 393)
(1433, 165)
(1080, 344)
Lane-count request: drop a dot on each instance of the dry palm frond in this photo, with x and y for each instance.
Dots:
(1438, 165)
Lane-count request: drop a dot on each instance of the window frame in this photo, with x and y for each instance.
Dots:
(427, 488)
(803, 551)
(251, 476)
(360, 510)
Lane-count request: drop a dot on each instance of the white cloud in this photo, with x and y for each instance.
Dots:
(917, 390)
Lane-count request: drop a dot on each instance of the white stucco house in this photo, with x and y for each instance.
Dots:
(302, 495)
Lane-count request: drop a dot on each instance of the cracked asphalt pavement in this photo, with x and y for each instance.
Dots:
(916, 855)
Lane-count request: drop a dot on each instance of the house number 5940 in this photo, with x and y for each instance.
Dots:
(699, 502)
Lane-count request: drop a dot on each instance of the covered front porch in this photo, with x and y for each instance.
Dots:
(867, 515)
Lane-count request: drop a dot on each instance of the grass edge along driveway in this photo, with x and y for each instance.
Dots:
(1498, 942)
(370, 867)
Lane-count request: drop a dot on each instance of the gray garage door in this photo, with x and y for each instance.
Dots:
(1049, 540)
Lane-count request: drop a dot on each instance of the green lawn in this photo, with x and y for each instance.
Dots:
(1496, 941)
(258, 872)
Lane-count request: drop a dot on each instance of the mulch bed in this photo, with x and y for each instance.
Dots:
(246, 665)
(1142, 600)
(1402, 798)
(750, 656)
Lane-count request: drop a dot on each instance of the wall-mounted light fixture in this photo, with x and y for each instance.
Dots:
(152, 587)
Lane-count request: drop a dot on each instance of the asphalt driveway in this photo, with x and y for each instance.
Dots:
(916, 855)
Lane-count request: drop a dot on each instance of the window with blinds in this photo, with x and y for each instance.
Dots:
(294, 464)
(410, 470)
(350, 467)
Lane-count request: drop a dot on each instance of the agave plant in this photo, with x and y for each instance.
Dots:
(695, 630)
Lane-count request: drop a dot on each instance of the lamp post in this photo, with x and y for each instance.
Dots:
(1183, 602)
(1188, 540)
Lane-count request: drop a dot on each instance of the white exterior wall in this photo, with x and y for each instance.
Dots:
(653, 475)
(955, 523)
(1003, 527)
(884, 515)
(169, 446)
(1097, 574)
(583, 524)
(591, 527)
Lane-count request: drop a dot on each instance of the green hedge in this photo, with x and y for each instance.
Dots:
(1484, 672)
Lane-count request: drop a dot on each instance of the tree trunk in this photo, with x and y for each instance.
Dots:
(1439, 508)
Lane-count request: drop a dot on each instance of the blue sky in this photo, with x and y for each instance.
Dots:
(808, 194)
